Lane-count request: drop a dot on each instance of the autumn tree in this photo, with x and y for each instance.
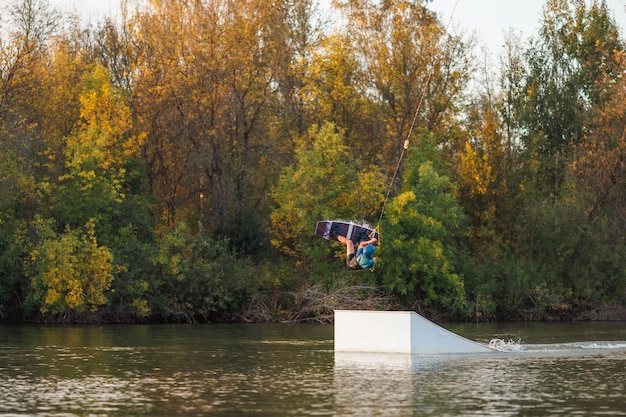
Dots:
(599, 173)
(297, 38)
(211, 74)
(549, 102)
(28, 135)
(70, 272)
(97, 153)
(488, 185)
(416, 71)
(336, 91)
(576, 47)
(39, 68)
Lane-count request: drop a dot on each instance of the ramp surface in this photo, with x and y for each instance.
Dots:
(397, 332)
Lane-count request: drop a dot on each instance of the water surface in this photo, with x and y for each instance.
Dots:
(292, 370)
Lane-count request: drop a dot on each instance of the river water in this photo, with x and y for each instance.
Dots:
(291, 370)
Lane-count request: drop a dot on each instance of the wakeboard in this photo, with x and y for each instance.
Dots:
(330, 229)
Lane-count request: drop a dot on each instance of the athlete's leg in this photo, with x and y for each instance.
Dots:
(348, 243)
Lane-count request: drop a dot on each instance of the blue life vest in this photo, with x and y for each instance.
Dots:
(364, 257)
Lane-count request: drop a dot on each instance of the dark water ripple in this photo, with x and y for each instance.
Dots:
(241, 370)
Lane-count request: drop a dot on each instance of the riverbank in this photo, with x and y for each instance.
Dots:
(316, 305)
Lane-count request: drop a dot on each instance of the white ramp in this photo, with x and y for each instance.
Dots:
(397, 332)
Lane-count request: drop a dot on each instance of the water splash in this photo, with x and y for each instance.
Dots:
(502, 346)
(516, 346)
(578, 347)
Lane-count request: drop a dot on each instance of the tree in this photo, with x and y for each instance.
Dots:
(577, 45)
(335, 91)
(422, 231)
(553, 96)
(38, 70)
(196, 277)
(26, 113)
(98, 154)
(16, 194)
(326, 183)
(600, 183)
(70, 272)
(488, 192)
(207, 95)
(417, 73)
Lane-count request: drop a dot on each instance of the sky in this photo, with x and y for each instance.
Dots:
(487, 19)
(490, 19)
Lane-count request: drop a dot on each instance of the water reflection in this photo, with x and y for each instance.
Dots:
(165, 370)
(535, 383)
(369, 384)
(234, 370)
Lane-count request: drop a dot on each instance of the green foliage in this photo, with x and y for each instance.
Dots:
(571, 259)
(70, 272)
(326, 183)
(12, 282)
(196, 277)
(16, 204)
(578, 46)
(133, 252)
(421, 233)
